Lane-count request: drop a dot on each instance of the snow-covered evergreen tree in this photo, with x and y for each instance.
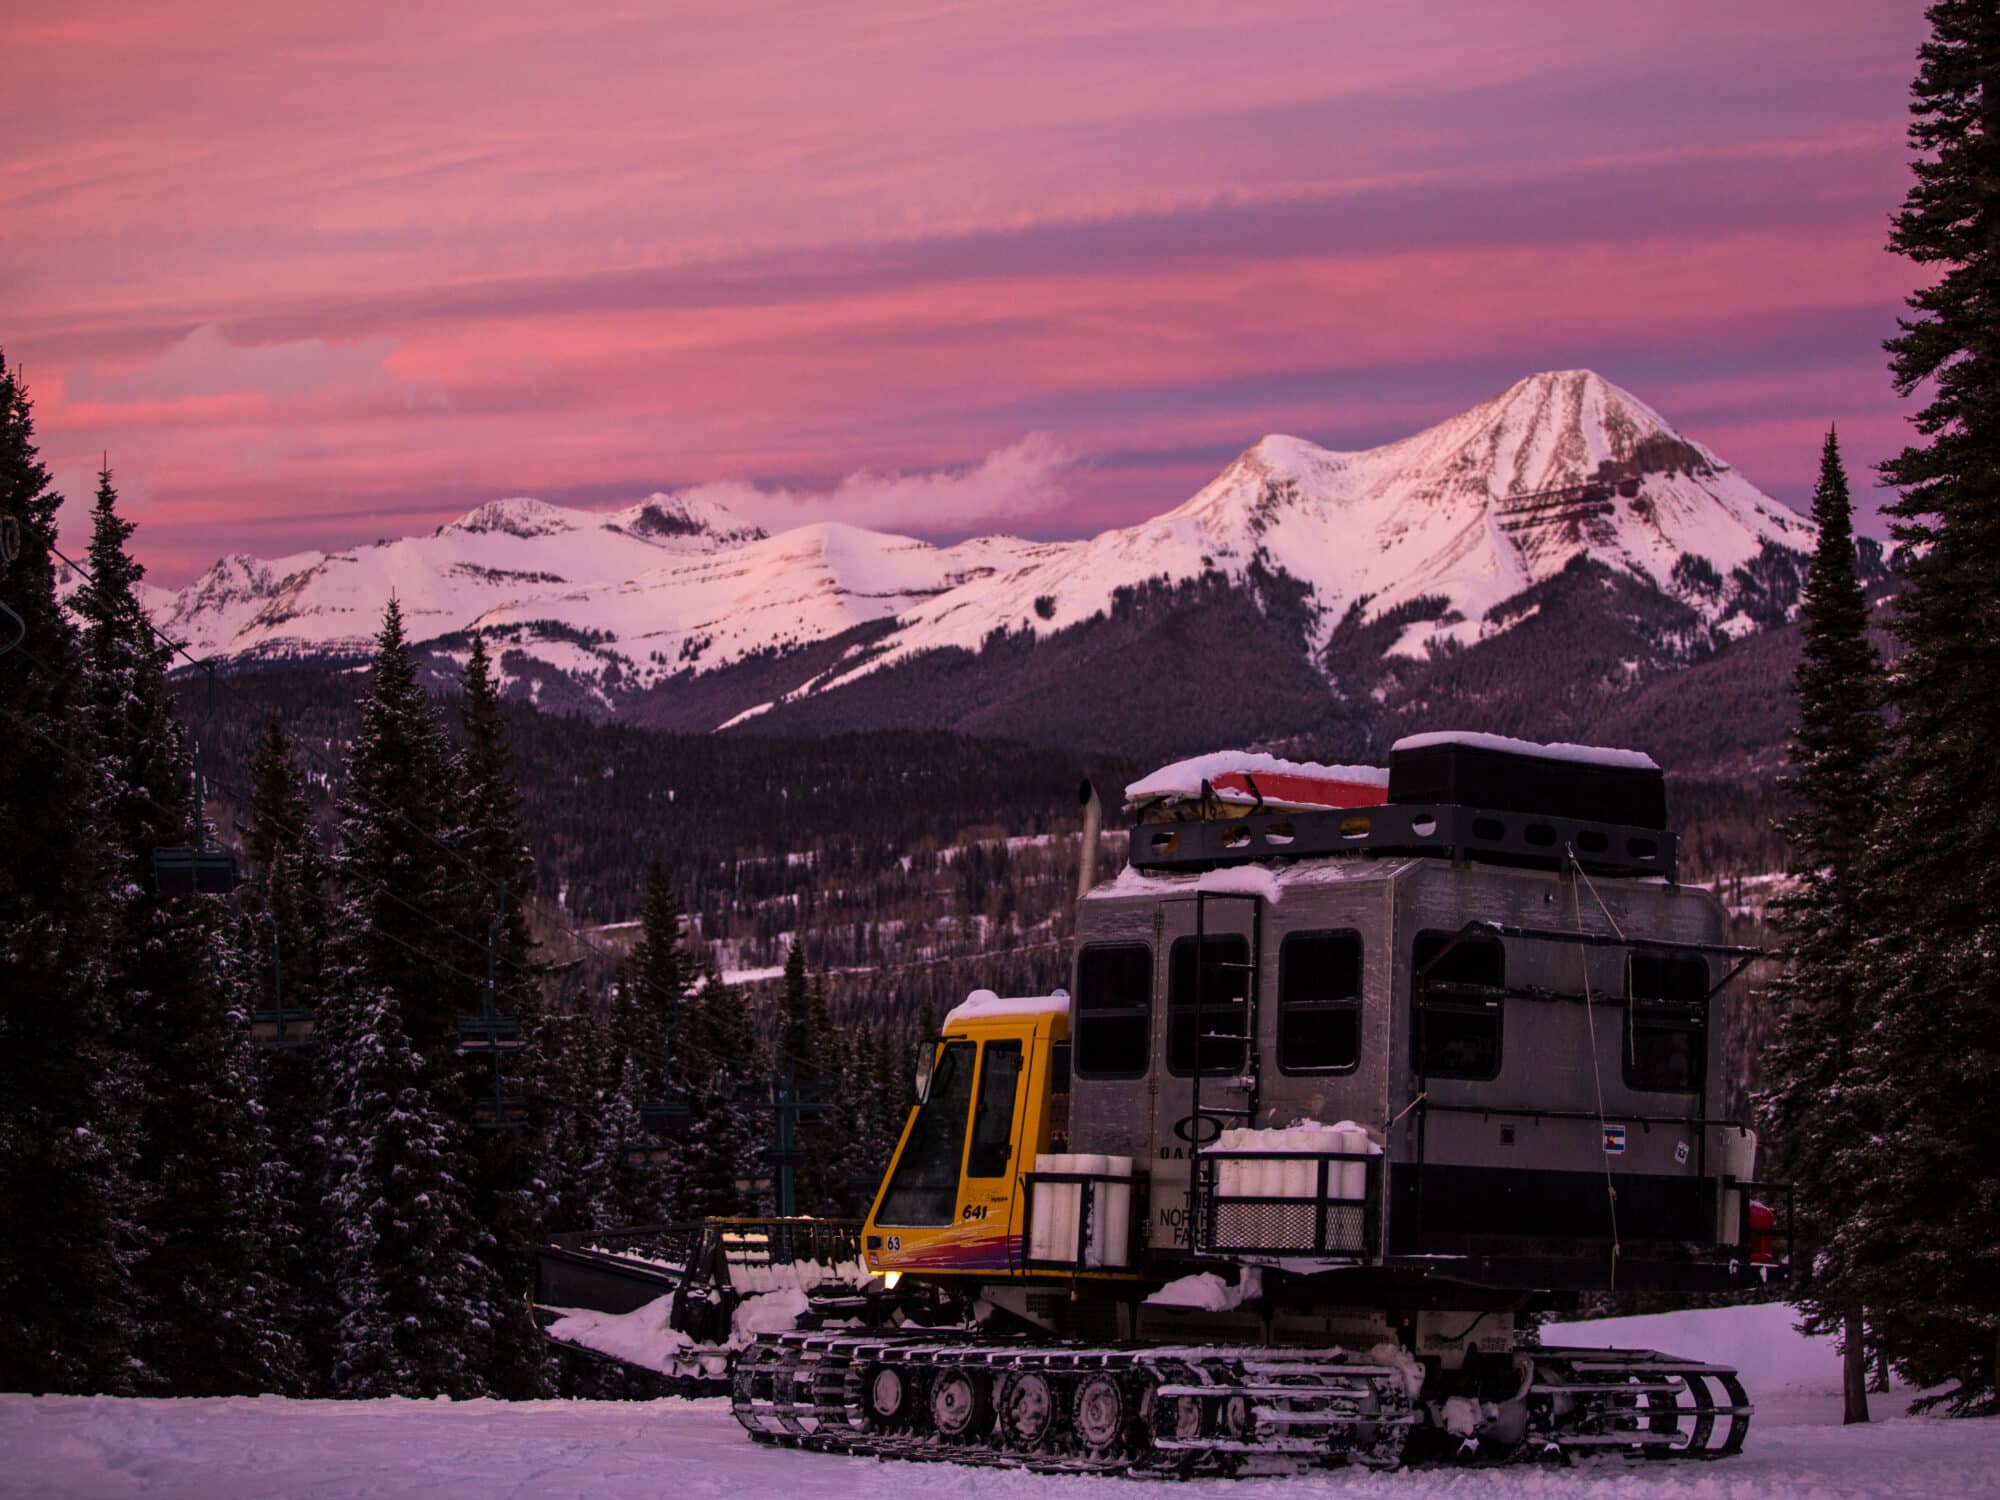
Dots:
(413, 1294)
(67, 1227)
(808, 1056)
(719, 1148)
(285, 925)
(1812, 1110)
(1924, 1255)
(402, 904)
(398, 1159)
(508, 1170)
(646, 1012)
(583, 1190)
(201, 1154)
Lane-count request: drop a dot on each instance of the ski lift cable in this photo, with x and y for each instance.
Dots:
(138, 614)
(209, 669)
(208, 666)
(294, 827)
(150, 801)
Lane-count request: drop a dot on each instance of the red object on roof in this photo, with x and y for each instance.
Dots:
(1293, 790)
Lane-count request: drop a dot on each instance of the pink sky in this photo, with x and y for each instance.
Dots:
(317, 274)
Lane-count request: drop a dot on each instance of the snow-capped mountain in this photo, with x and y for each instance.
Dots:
(330, 603)
(1443, 528)
(1474, 511)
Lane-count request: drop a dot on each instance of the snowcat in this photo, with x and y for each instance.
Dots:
(1357, 1075)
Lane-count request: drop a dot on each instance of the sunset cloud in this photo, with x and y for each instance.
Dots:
(314, 274)
(1022, 480)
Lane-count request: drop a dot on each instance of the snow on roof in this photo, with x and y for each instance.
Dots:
(1269, 882)
(984, 1005)
(1590, 755)
(1184, 777)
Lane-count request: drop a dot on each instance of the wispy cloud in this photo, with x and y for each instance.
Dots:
(1024, 480)
(206, 362)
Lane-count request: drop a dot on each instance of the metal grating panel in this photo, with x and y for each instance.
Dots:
(1318, 1224)
(1533, 839)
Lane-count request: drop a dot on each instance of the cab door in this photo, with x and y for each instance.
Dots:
(986, 1195)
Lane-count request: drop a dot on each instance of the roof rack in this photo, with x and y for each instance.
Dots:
(1537, 840)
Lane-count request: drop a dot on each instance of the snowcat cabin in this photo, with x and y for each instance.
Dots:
(1456, 1021)
(992, 1097)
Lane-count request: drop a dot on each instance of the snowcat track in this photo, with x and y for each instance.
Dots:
(1180, 1412)
(1161, 1412)
(1638, 1403)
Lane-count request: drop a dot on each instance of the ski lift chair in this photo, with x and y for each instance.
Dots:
(181, 871)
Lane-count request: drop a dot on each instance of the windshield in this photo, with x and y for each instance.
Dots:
(924, 1191)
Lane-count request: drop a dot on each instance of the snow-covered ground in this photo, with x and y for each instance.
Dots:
(551, 1450)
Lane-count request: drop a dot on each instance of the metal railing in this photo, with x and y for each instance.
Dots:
(1089, 1213)
(1324, 1224)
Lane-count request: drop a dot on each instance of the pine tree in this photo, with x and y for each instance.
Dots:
(800, 1042)
(201, 1153)
(594, 1129)
(508, 1172)
(398, 1162)
(402, 895)
(647, 1011)
(1812, 1111)
(412, 1291)
(488, 832)
(66, 1201)
(1925, 1253)
(795, 1039)
(286, 903)
(719, 1149)
(285, 927)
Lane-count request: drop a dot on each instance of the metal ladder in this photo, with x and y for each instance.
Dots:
(1248, 1040)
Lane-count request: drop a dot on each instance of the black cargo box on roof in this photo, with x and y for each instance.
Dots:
(1514, 776)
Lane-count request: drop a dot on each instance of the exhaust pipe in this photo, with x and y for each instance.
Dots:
(1093, 823)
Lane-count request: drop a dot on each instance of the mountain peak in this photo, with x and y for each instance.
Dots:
(519, 515)
(666, 518)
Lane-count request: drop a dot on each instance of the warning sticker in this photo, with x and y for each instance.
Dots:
(1614, 1140)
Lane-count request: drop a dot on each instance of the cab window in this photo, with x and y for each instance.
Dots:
(1666, 1023)
(1114, 1010)
(1456, 1028)
(1319, 1002)
(924, 1190)
(1225, 1007)
(993, 1114)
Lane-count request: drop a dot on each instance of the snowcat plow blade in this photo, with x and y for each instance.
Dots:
(663, 1298)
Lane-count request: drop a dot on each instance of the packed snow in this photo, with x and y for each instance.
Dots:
(83, 1448)
(1268, 882)
(1205, 1291)
(984, 1005)
(1587, 755)
(640, 1337)
(1184, 778)
(768, 1312)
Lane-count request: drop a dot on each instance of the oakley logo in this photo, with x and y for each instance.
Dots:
(1198, 1130)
